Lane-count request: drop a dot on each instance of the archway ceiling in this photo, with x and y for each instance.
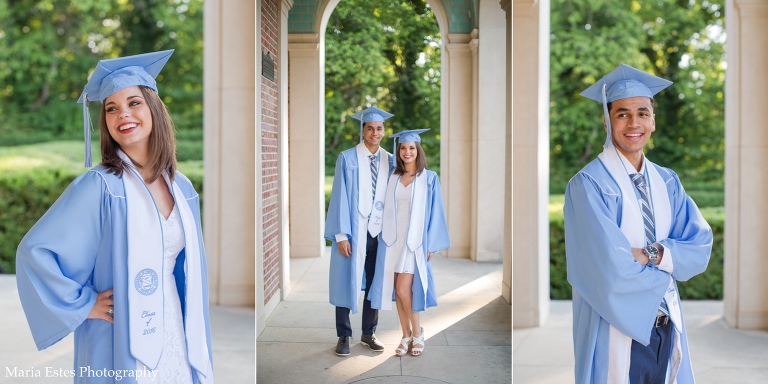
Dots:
(462, 15)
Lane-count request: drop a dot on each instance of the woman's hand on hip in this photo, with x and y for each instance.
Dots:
(103, 304)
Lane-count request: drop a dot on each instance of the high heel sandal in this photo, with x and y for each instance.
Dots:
(404, 342)
(415, 351)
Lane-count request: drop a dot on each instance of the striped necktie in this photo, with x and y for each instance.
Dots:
(645, 206)
(650, 229)
(374, 175)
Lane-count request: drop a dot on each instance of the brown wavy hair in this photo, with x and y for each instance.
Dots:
(162, 144)
(421, 160)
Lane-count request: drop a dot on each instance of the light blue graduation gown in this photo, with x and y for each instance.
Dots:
(343, 218)
(435, 238)
(609, 287)
(79, 248)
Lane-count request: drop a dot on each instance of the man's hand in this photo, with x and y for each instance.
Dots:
(642, 258)
(429, 256)
(344, 248)
(639, 256)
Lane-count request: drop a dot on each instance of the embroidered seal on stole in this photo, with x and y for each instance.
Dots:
(146, 281)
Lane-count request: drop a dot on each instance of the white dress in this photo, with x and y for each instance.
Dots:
(405, 259)
(174, 364)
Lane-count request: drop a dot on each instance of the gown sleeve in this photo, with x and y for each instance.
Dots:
(338, 219)
(437, 231)
(600, 265)
(690, 237)
(56, 258)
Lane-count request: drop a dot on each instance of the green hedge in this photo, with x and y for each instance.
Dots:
(708, 285)
(32, 177)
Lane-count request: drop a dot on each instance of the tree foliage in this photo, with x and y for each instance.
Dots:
(682, 41)
(48, 48)
(384, 54)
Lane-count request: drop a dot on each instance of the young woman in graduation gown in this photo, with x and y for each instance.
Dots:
(119, 257)
(414, 227)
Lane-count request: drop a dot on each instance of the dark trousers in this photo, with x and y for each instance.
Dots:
(648, 365)
(370, 315)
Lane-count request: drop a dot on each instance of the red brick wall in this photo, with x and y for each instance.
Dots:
(269, 156)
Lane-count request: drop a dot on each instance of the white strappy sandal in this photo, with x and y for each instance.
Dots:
(404, 342)
(415, 351)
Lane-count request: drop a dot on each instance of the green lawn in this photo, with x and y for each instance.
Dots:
(328, 184)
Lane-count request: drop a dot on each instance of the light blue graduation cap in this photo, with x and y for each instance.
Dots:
(368, 115)
(114, 75)
(407, 137)
(622, 83)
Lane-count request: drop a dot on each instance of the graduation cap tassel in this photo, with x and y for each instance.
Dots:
(361, 130)
(86, 125)
(607, 118)
(394, 150)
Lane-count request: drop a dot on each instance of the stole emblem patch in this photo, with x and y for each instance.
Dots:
(379, 205)
(146, 282)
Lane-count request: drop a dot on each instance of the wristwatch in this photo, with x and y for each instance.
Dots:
(653, 254)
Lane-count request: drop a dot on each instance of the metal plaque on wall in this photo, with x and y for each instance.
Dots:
(267, 66)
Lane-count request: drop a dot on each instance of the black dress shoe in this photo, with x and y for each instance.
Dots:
(342, 348)
(371, 341)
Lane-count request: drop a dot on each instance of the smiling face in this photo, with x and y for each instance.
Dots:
(632, 121)
(408, 152)
(128, 118)
(373, 132)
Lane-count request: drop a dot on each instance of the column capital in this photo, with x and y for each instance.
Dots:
(459, 38)
(285, 6)
(473, 46)
(506, 5)
(458, 49)
(303, 49)
(303, 45)
(303, 38)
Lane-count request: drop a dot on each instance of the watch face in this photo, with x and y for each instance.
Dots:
(651, 251)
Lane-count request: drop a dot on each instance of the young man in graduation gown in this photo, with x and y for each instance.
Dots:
(354, 221)
(630, 232)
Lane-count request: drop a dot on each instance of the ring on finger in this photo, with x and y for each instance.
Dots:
(111, 311)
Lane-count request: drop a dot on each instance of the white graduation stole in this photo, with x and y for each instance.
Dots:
(145, 276)
(632, 227)
(145, 272)
(372, 210)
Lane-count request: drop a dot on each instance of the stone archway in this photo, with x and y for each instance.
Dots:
(458, 122)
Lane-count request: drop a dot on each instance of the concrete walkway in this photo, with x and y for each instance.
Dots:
(468, 335)
(719, 354)
(232, 335)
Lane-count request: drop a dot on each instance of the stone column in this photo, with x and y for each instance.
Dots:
(230, 150)
(488, 136)
(456, 143)
(746, 151)
(506, 284)
(285, 243)
(306, 145)
(530, 127)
